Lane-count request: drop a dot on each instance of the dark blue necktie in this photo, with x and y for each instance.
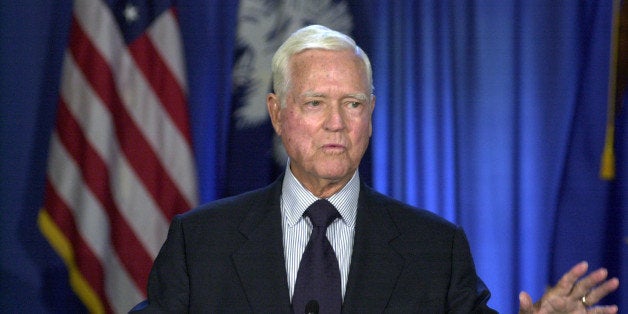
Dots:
(318, 278)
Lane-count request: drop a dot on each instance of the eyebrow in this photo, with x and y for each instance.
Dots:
(359, 96)
(313, 94)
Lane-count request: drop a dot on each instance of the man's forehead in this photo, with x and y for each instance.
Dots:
(317, 55)
(305, 67)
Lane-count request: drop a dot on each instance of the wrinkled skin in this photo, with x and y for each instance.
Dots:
(325, 124)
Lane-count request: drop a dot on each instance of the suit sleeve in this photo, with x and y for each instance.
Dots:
(168, 283)
(467, 293)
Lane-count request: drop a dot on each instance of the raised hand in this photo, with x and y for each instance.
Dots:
(573, 293)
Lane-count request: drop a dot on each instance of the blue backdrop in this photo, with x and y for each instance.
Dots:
(484, 111)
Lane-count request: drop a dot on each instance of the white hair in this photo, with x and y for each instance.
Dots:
(312, 37)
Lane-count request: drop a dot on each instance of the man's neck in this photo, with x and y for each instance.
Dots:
(321, 188)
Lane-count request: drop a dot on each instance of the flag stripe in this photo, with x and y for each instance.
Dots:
(94, 173)
(82, 264)
(92, 224)
(162, 81)
(95, 122)
(96, 180)
(164, 35)
(86, 271)
(91, 220)
(171, 146)
(140, 154)
(68, 184)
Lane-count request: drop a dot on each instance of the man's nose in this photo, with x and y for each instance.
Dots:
(335, 119)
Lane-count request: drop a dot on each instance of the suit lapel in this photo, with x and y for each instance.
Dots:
(375, 265)
(260, 260)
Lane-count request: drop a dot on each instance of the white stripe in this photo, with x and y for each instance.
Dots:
(121, 291)
(132, 199)
(91, 222)
(140, 101)
(164, 33)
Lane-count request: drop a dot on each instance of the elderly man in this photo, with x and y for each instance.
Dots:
(319, 239)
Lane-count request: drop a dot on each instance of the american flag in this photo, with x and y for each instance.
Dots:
(121, 162)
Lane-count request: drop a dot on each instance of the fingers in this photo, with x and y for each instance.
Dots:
(610, 309)
(596, 294)
(525, 303)
(584, 286)
(574, 292)
(595, 287)
(565, 285)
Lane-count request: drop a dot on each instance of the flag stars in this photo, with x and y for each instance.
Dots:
(131, 13)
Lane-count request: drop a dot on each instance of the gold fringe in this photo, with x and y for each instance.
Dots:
(62, 246)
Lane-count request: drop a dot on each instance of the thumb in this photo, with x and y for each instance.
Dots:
(525, 303)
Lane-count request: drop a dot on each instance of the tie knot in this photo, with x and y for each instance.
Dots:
(322, 213)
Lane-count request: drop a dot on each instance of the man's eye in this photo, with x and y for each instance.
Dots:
(314, 103)
(354, 104)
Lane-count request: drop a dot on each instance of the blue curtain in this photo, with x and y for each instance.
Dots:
(476, 101)
(476, 106)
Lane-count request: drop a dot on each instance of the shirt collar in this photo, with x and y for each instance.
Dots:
(296, 199)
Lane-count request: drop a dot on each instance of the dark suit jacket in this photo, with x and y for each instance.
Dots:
(227, 257)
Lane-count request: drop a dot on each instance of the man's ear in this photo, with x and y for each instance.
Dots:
(274, 110)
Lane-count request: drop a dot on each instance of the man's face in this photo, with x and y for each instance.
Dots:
(326, 123)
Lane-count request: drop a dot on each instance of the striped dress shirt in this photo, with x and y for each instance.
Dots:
(295, 199)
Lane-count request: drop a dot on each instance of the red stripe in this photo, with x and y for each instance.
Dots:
(87, 263)
(163, 82)
(140, 154)
(96, 176)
